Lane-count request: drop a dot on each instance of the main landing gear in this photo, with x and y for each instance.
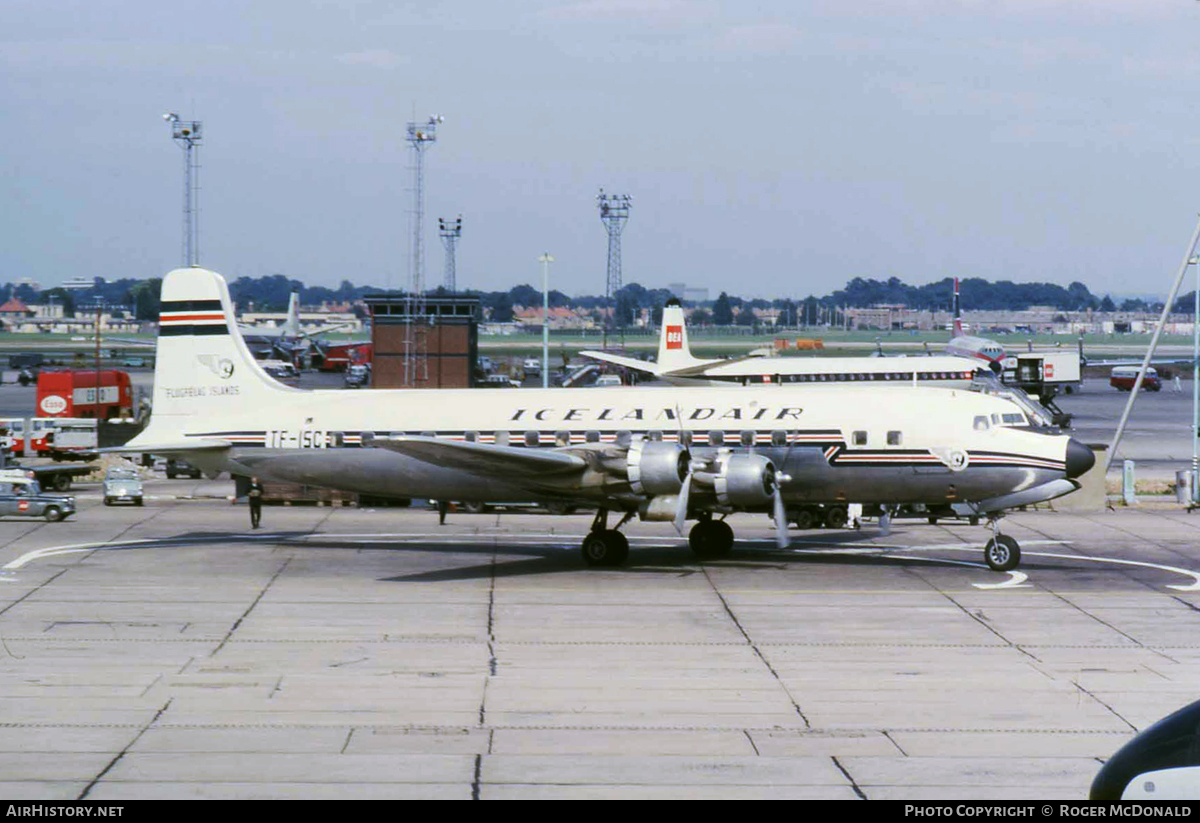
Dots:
(710, 539)
(1002, 553)
(604, 546)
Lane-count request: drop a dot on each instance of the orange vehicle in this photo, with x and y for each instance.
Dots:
(72, 393)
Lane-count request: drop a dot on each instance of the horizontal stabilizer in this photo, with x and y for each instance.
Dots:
(166, 448)
(623, 362)
(482, 458)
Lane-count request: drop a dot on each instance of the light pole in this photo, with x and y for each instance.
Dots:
(546, 260)
(1196, 387)
(187, 134)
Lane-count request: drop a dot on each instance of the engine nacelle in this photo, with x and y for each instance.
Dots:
(655, 467)
(745, 480)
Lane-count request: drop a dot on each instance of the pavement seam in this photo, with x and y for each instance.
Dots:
(237, 623)
(754, 647)
(854, 785)
(1115, 713)
(121, 754)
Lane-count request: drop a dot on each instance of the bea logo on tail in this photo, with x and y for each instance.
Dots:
(674, 337)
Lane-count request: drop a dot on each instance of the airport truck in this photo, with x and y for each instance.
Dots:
(72, 393)
(1045, 375)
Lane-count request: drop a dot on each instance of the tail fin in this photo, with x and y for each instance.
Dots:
(202, 366)
(673, 350)
(958, 329)
(292, 326)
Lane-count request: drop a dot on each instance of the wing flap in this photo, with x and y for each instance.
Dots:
(483, 458)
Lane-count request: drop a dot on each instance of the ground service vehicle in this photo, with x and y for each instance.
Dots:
(1123, 378)
(72, 393)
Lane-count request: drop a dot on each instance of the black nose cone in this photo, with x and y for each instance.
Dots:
(1080, 458)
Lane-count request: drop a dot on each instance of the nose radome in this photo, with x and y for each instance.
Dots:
(1080, 458)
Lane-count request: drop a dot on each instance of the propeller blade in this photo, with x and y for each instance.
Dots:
(782, 538)
(681, 509)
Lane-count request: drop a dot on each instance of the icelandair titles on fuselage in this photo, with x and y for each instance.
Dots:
(612, 414)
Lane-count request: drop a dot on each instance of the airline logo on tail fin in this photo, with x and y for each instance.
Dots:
(958, 329)
(674, 336)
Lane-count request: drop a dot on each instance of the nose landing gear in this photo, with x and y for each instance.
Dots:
(1002, 553)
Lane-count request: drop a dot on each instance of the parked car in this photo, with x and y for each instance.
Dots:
(358, 376)
(1123, 378)
(177, 466)
(21, 496)
(532, 366)
(134, 362)
(498, 381)
(122, 485)
(607, 380)
(486, 365)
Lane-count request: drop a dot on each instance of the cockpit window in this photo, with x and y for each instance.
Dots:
(981, 423)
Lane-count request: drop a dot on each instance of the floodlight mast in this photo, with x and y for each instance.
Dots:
(188, 133)
(450, 232)
(420, 137)
(614, 211)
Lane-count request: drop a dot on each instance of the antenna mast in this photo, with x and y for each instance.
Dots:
(450, 232)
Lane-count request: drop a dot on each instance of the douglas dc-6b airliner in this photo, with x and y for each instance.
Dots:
(667, 453)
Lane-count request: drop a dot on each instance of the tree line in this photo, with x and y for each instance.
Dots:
(271, 293)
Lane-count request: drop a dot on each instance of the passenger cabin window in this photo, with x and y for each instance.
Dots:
(716, 438)
(502, 438)
(562, 438)
(981, 423)
(624, 438)
(778, 438)
(859, 438)
(531, 438)
(471, 437)
(747, 438)
(655, 436)
(592, 436)
(685, 437)
(894, 438)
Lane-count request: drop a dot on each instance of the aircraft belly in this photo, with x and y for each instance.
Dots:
(815, 480)
(373, 471)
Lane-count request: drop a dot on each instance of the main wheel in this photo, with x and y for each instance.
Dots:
(605, 548)
(1002, 553)
(807, 518)
(475, 507)
(711, 539)
(836, 517)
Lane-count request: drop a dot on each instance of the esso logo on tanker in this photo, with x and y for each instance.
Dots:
(674, 337)
(53, 404)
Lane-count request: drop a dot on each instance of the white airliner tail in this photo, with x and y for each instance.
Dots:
(673, 350)
(958, 329)
(202, 366)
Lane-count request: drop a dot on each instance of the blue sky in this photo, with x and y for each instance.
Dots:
(771, 148)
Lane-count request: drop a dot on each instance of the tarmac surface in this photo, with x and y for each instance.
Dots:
(170, 652)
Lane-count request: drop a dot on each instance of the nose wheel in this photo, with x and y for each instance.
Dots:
(1001, 553)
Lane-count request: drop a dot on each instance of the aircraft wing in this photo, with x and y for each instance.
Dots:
(704, 368)
(624, 362)
(168, 447)
(483, 458)
(1176, 361)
